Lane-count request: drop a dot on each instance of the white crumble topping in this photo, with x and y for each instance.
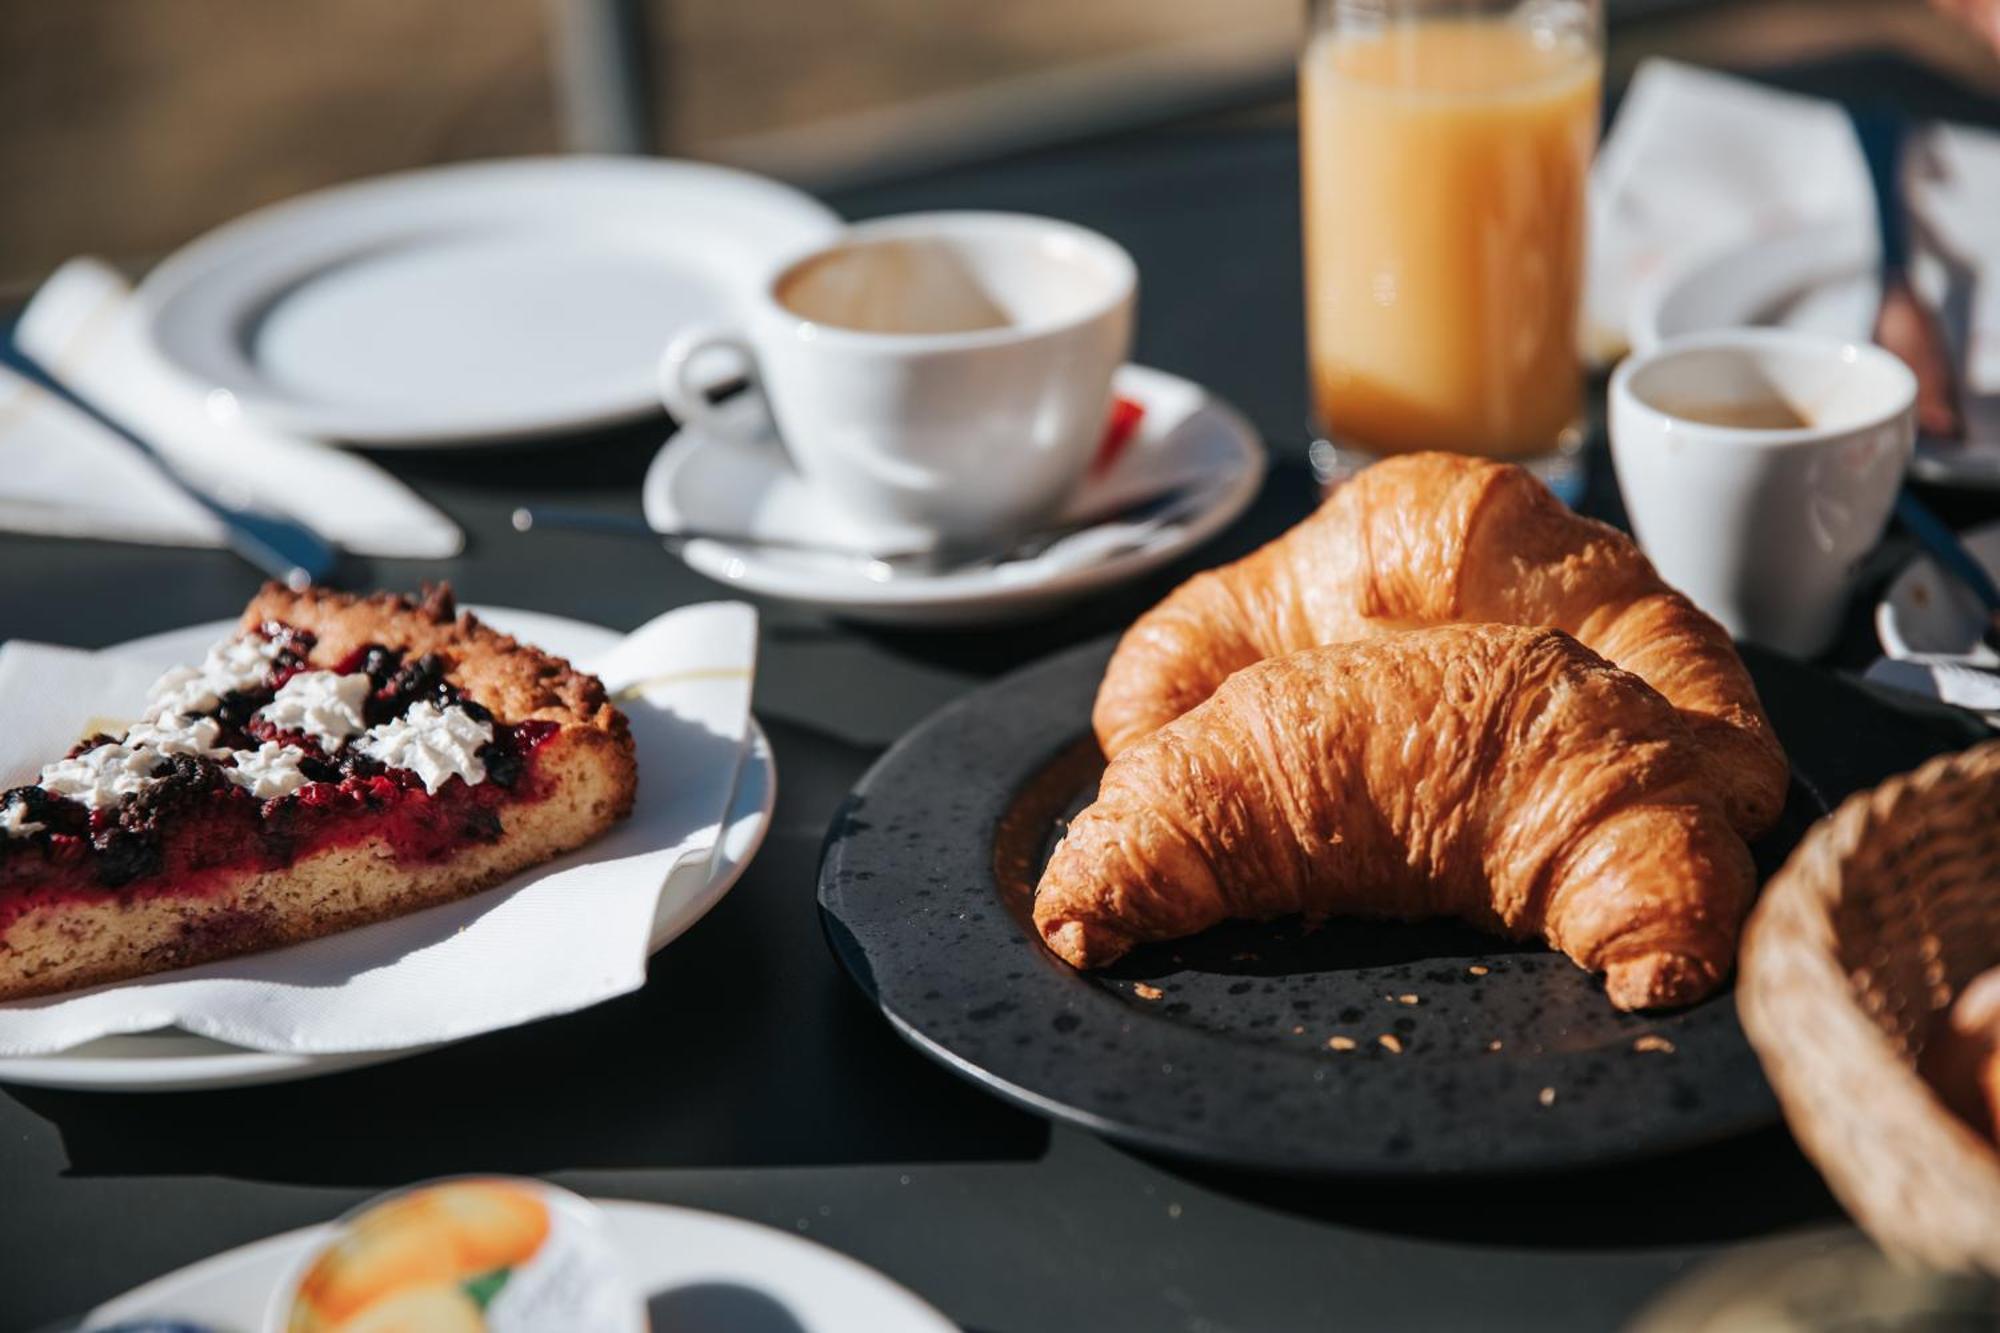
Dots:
(14, 821)
(240, 663)
(437, 744)
(269, 771)
(323, 705)
(103, 776)
(171, 733)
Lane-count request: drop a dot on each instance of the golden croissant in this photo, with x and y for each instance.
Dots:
(1429, 539)
(1506, 776)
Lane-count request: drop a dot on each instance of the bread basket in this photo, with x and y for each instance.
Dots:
(1886, 909)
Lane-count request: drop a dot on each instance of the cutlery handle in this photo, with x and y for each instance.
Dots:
(290, 552)
(527, 518)
(1943, 546)
(1880, 131)
(582, 520)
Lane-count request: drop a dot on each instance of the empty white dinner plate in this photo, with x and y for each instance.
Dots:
(473, 303)
(702, 1273)
(1184, 435)
(175, 1061)
(1821, 279)
(1926, 615)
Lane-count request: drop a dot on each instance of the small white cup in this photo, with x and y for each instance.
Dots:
(1762, 527)
(966, 432)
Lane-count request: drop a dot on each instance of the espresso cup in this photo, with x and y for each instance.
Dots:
(943, 371)
(1759, 467)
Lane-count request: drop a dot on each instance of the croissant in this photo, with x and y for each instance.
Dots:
(1506, 776)
(1428, 539)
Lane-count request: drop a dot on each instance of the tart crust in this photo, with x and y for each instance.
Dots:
(585, 781)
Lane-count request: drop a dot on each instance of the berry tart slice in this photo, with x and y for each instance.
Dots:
(339, 761)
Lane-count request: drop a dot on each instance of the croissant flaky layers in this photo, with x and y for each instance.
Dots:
(1429, 539)
(1506, 776)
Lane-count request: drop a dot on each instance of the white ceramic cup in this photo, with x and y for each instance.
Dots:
(1762, 527)
(939, 423)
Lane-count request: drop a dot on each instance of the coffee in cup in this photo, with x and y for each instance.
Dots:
(1758, 467)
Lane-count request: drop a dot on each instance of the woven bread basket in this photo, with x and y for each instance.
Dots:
(1883, 913)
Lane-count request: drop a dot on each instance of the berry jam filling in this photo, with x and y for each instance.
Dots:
(191, 820)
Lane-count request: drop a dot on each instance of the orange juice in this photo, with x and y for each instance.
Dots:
(1445, 161)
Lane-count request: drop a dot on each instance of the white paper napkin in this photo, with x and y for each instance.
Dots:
(558, 938)
(1697, 160)
(1698, 163)
(61, 473)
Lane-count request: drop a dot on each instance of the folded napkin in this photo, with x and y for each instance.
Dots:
(557, 938)
(1699, 162)
(63, 474)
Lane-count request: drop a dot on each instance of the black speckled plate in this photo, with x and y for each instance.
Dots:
(1467, 1054)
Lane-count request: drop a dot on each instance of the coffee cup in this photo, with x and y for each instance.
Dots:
(949, 372)
(1758, 468)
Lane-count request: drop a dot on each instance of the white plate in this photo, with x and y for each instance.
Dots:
(170, 1061)
(1822, 279)
(667, 1249)
(469, 303)
(1927, 614)
(1185, 433)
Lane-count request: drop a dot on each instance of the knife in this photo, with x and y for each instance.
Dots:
(287, 550)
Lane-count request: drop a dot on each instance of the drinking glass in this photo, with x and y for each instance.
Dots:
(1445, 148)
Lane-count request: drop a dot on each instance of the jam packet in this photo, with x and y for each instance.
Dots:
(478, 1255)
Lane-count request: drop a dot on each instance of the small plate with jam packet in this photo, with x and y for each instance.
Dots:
(505, 1254)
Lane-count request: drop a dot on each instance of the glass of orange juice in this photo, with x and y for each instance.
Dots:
(1446, 146)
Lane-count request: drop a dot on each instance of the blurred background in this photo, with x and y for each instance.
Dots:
(129, 126)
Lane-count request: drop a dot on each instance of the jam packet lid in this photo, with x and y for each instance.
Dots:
(477, 1255)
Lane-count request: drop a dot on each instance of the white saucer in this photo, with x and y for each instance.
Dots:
(472, 303)
(700, 480)
(173, 1061)
(1926, 615)
(1822, 279)
(666, 1249)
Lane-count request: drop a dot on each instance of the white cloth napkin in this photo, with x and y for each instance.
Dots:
(555, 939)
(1698, 160)
(63, 474)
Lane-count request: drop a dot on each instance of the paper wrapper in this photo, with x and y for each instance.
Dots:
(554, 939)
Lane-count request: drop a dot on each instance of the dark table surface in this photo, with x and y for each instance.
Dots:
(749, 1076)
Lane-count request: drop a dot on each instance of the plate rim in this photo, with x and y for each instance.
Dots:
(915, 601)
(228, 1067)
(1888, 632)
(199, 260)
(625, 1216)
(1755, 1107)
(1843, 241)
